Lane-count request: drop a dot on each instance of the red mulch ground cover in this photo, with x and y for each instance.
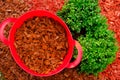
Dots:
(111, 9)
(49, 5)
(14, 8)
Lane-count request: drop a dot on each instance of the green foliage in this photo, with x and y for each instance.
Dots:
(98, 53)
(1, 76)
(77, 14)
(99, 45)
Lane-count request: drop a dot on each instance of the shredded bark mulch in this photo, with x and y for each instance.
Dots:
(42, 44)
(111, 10)
(49, 5)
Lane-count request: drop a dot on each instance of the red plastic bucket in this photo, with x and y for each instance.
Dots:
(18, 22)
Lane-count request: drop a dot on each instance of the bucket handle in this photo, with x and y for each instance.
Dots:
(2, 27)
(79, 56)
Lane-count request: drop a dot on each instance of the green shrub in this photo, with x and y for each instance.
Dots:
(89, 27)
(77, 13)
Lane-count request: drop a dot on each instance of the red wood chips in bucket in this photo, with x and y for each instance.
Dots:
(41, 43)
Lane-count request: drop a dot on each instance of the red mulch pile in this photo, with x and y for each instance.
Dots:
(111, 9)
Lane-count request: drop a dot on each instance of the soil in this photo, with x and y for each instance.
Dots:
(42, 44)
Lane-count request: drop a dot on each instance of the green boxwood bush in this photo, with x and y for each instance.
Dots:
(90, 28)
